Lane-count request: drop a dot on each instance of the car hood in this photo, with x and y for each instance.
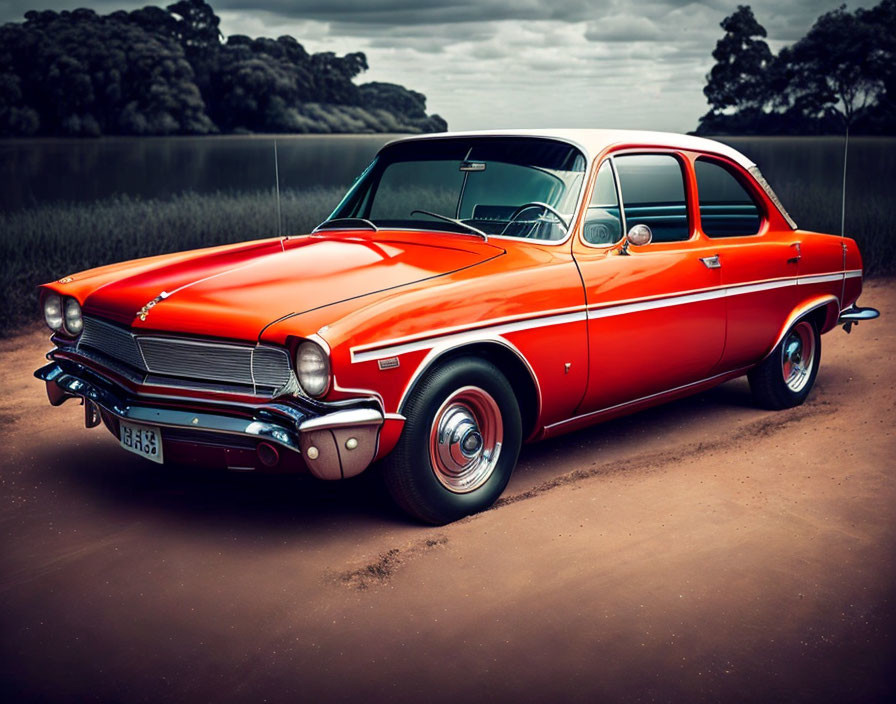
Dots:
(235, 291)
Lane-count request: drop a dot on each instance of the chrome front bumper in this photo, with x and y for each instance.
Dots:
(334, 445)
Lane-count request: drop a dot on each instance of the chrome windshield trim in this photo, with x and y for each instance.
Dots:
(589, 158)
(323, 226)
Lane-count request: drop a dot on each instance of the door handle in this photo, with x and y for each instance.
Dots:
(799, 254)
(712, 262)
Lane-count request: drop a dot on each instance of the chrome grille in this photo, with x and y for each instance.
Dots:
(189, 359)
(271, 366)
(197, 360)
(112, 341)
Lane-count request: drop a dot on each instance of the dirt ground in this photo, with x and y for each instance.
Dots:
(701, 551)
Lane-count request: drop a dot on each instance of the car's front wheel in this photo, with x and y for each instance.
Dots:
(459, 444)
(786, 376)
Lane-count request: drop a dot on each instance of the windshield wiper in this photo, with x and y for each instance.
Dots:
(461, 223)
(345, 224)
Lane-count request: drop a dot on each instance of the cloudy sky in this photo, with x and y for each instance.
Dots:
(516, 63)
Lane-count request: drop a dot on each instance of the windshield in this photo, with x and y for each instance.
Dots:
(482, 183)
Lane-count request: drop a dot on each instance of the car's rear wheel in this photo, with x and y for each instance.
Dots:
(459, 444)
(785, 378)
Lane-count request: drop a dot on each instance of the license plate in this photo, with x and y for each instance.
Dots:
(143, 440)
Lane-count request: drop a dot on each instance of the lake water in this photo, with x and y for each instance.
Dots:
(806, 171)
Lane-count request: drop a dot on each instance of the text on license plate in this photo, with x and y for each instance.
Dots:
(143, 440)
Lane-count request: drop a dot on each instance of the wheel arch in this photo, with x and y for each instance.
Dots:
(506, 357)
(823, 310)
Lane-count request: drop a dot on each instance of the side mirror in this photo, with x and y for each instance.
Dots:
(639, 235)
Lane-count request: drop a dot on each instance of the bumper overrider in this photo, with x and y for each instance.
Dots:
(334, 444)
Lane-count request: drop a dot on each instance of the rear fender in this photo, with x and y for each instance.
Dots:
(826, 308)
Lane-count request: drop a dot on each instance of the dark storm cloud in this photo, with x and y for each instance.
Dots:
(613, 63)
(609, 20)
(409, 12)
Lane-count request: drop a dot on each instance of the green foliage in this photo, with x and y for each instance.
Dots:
(157, 71)
(85, 75)
(842, 74)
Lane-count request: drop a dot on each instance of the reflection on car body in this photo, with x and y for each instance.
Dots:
(471, 292)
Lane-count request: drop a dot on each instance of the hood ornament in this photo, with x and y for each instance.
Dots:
(144, 311)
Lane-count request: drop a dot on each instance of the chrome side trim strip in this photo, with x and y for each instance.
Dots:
(803, 280)
(652, 304)
(495, 328)
(755, 288)
(478, 333)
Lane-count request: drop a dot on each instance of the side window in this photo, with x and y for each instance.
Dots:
(726, 208)
(652, 188)
(602, 221)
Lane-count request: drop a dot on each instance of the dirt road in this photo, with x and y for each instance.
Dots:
(702, 551)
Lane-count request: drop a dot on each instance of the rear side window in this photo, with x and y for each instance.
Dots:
(652, 188)
(726, 208)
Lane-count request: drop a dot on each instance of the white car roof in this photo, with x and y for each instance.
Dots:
(593, 142)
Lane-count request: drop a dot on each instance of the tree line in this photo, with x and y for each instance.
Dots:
(841, 75)
(169, 71)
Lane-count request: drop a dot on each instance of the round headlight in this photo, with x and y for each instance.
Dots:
(53, 311)
(74, 323)
(312, 368)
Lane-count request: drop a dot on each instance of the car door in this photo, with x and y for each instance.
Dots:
(656, 316)
(759, 258)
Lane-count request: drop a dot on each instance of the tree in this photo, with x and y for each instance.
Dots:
(841, 74)
(881, 118)
(166, 71)
(394, 98)
(738, 81)
(834, 69)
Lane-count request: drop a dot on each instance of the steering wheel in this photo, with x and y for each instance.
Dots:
(535, 204)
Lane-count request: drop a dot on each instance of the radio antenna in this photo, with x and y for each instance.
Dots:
(843, 186)
(843, 212)
(277, 186)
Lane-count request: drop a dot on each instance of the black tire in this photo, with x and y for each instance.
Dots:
(453, 397)
(785, 378)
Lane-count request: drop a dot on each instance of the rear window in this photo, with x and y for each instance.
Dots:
(727, 209)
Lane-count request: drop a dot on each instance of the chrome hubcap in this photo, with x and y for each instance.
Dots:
(798, 356)
(465, 439)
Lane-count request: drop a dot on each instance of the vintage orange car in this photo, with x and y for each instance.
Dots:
(472, 291)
